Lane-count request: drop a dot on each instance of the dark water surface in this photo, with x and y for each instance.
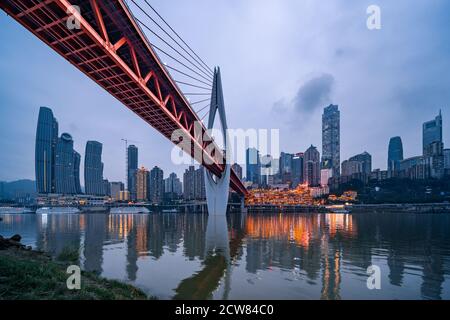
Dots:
(277, 256)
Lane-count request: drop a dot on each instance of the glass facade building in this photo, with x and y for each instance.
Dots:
(45, 151)
(432, 132)
(132, 167)
(297, 169)
(65, 171)
(253, 166)
(76, 168)
(331, 145)
(93, 169)
(285, 167)
(395, 154)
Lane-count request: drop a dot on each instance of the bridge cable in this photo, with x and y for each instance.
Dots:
(192, 85)
(200, 110)
(197, 102)
(170, 56)
(185, 74)
(204, 116)
(201, 68)
(167, 24)
(148, 28)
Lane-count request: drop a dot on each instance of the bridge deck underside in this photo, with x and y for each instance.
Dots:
(110, 48)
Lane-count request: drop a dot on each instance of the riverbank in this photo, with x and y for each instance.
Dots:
(400, 208)
(31, 275)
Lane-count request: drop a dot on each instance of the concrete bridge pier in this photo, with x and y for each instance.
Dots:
(217, 189)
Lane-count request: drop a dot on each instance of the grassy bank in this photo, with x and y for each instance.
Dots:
(30, 275)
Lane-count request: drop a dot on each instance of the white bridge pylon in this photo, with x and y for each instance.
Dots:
(217, 189)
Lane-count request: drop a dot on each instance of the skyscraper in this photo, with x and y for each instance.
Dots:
(93, 169)
(432, 132)
(366, 162)
(237, 169)
(268, 170)
(132, 167)
(173, 185)
(106, 187)
(76, 167)
(45, 151)
(297, 169)
(446, 159)
(194, 184)
(331, 144)
(116, 188)
(141, 184)
(200, 190)
(351, 167)
(156, 185)
(395, 154)
(253, 166)
(436, 159)
(311, 166)
(285, 167)
(189, 183)
(65, 180)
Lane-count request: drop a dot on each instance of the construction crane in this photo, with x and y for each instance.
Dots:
(126, 160)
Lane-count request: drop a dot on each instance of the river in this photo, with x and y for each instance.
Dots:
(270, 256)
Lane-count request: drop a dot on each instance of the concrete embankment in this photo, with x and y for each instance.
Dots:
(401, 208)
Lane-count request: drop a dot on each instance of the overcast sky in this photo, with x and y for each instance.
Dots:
(282, 61)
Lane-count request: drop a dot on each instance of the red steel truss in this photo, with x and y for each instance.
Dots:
(111, 49)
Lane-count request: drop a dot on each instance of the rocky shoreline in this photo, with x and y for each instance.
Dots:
(13, 242)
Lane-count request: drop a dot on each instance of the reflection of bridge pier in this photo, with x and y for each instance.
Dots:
(95, 235)
(216, 264)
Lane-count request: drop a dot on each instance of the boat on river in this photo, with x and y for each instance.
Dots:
(57, 210)
(15, 210)
(129, 210)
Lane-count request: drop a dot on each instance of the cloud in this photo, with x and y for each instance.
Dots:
(314, 94)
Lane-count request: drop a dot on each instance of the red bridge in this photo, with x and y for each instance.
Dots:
(111, 49)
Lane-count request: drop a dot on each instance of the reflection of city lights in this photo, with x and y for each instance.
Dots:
(299, 229)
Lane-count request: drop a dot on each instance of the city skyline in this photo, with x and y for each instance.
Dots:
(108, 122)
(61, 172)
(48, 173)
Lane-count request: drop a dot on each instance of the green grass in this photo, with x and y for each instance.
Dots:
(27, 275)
(69, 254)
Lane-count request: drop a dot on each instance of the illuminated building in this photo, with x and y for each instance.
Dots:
(141, 184)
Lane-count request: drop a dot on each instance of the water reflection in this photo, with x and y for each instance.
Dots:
(256, 256)
(216, 265)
